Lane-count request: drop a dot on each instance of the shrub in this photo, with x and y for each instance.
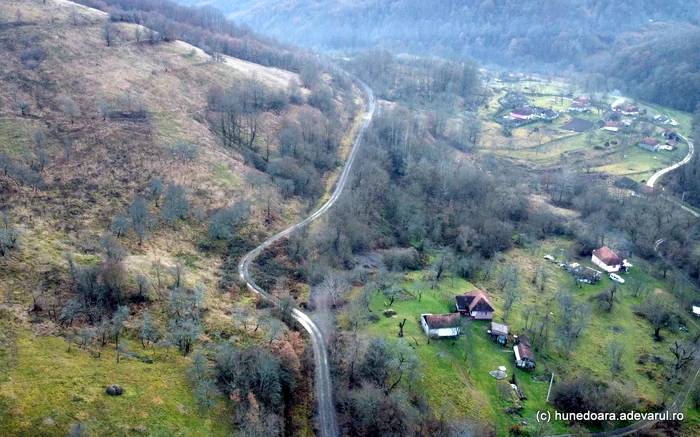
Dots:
(402, 259)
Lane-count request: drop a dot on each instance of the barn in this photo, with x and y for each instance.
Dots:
(441, 325)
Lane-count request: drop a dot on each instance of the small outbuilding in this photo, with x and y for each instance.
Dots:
(441, 325)
(499, 333)
(524, 358)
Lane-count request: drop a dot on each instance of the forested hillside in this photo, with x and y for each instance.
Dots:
(134, 170)
(640, 46)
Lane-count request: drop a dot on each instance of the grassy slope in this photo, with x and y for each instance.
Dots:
(112, 160)
(53, 388)
(463, 387)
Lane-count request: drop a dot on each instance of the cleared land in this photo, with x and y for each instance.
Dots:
(575, 139)
(455, 376)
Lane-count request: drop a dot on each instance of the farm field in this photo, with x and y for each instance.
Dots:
(465, 363)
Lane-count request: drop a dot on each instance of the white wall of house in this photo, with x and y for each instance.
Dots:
(482, 315)
(604, 266)
(442, 332)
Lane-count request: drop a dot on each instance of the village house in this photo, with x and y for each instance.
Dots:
(608, 260)
(548, 115)
(524, 358)
(585, 100)
(499, 333)
(672, 135)
(514, 99)
(611, 126)
(441, 325)
(578, 107)
(475, 304)
(629, 110)
(650, 144)
(521, 114)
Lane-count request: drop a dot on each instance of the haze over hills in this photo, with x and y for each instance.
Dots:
(639, 46)
(206, 231)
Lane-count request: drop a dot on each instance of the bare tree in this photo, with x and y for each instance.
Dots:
(71, 109)
(332, 287)
(73, 15)
(105, 108)
(140, 217)
(108, 32)
(24, 106)
(616, 351)
(573, 319)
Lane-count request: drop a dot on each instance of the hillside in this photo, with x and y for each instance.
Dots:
(625, 41)
(134, 169)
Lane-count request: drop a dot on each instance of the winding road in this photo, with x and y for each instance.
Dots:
(663, 171)
(324, 388)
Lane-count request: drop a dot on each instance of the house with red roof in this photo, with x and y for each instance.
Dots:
(608, 260)
(629, 110)
(521, 113)
(650, 144)
(578, 107)
(611, 126)
(524, 358)
(476, 304)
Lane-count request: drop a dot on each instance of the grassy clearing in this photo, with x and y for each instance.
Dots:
(49, 388)
(640, 164)
(222, 173)
(456, 378)
(16, 135)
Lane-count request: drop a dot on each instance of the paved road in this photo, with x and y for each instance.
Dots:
(658, 174)
(324, 388)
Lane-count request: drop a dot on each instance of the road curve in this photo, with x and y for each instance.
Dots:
(324, 387)
(663, 171)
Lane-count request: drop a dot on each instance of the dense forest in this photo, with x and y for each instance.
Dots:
(653, 47)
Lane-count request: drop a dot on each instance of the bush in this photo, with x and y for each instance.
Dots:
(402, 259)
(582, 394)
(223, 223)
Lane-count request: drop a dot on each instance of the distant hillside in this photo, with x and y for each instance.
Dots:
(547, 36)
(498, 30)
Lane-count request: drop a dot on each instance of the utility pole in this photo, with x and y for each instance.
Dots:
(550, 387)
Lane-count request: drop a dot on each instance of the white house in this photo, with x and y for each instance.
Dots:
(607, 260)
(441, 325)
